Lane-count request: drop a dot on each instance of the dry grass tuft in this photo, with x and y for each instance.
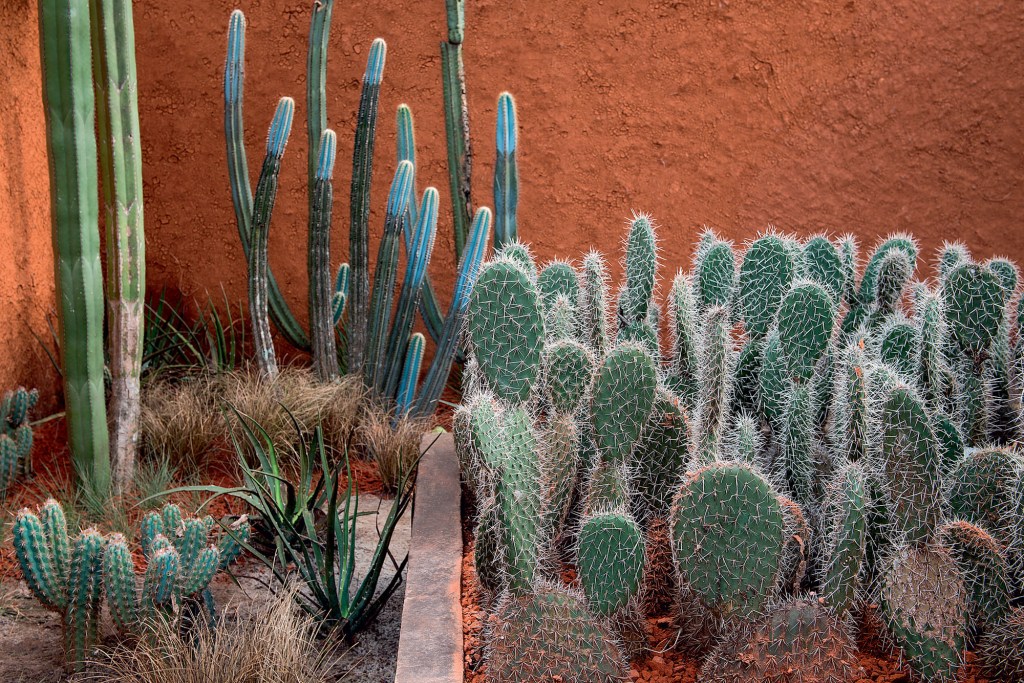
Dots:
(185, 420)
(274, 644)
(393, 447)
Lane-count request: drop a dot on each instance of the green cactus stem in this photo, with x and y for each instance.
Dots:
(506, 173)
(765, 276)
(69, 108)
(321, 292)
(623, 396)
(456, 119)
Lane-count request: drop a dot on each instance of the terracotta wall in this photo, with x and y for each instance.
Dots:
(862, 116)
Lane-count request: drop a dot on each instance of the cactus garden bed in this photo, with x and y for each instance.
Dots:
(816, 477)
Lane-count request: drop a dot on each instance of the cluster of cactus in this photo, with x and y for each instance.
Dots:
(813, 442)
(15, 436)
(354, 327)
(73, 575)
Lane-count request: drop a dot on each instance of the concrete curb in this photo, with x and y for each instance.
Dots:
(430, 645)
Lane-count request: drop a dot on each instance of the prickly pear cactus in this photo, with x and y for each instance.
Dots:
(867, 294)
(548, 634)
(846, 538)
(593, 305)
(520, 498)
(910, 459)
(924, 607)
(798, 639)
(973, 298)
(774, 383)
(610, 552)
(623, 396)
(984, 569)
(506, 329)
(685, 343)
(641, 266)
(715, 269)
(806, 320)
(714, 386)
(1001, 650)
(766, 275)
(982, 489)
(822, 263)
(728, 539)
(659, 457)
(568, 372)
(556, 279)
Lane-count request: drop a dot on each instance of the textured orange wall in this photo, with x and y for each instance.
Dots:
(26, 255)
(860, 116)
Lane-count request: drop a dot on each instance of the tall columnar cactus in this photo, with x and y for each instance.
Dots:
(321, 291)
(727, 530)
(623, 396)
(910, 460)
(456, 119)
(765, 277)
(549, 634)
(799, 637)
(263, 207)
(924, 607)
(506, 173)
(506, 329)
(846, 537)
(69, 107)
(64, 574)
(120, 153)
(714, 385)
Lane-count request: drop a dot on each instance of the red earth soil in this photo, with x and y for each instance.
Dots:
(866, 116)
(663, 663)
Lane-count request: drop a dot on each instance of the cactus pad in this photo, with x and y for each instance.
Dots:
(806, 319)
(623, 395)
(765, 277)
(610, 551)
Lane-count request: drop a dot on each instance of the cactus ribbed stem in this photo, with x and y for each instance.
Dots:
(506, 173)
(238, 173)
(362, 175)
(410, 375)
(120, 153)
(321, 293)
(456, 120)
(69, 106)
(263, 208)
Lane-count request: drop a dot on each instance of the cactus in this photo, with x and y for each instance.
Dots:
(851, 409)
(623, 396)
(659, 458)
(506, 329)
(924, 607)
(745, 441)
(798, 445)
(640, 266)
(821, 262)
(456, 119)
(610, 552)
(506, 173)
(982, 489)
(262, 209)
(869, 287)
(1001, 650)
(714, 386)
(766, 275)
(973, 298)
(558, 279)
(910, 460)
(120, 155)
(69, 108)
(728, 539)
(568, 372)
(846, 537)
(321, 294)
(520, 498)
(549, 634)
(797, 531)
(774, 383)
(715, 270)
(798, 638)
(683, 323)
(848, 253)
(894, 272)
(488, 552)
(899, 345)
(592, 308)
(63, 574)
(806, 319)
(746, 377)
(558, 453)
(985, 572)
(932, 370)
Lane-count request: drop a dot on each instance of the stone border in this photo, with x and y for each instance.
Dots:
(430, 644)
